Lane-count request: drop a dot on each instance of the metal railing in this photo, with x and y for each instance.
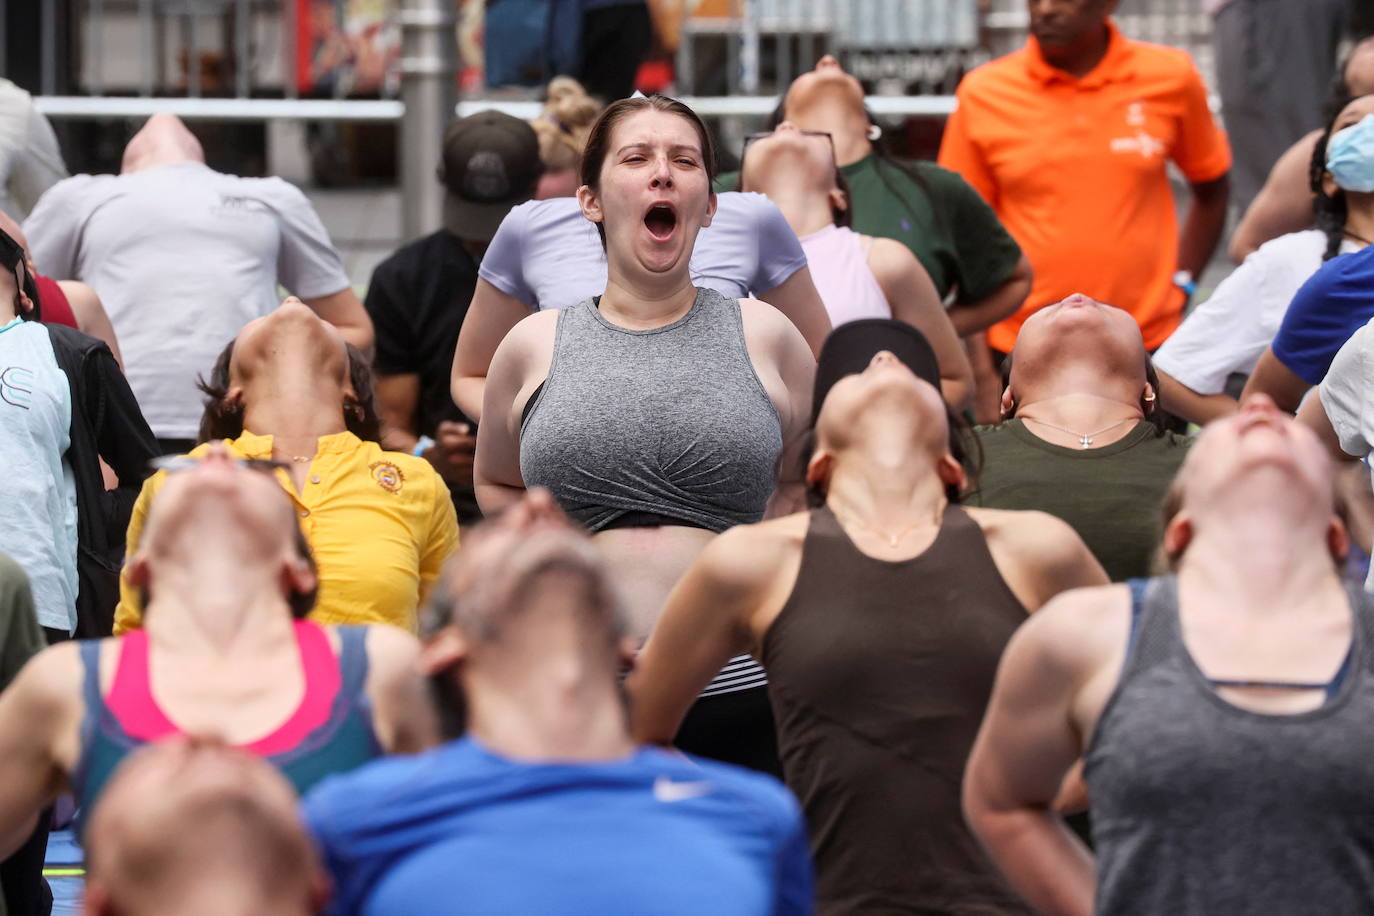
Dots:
(238, 60)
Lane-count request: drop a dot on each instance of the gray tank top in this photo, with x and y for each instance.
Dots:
(671, 421)
(1200, 806)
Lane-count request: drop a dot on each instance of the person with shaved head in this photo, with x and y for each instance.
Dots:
(183, 256)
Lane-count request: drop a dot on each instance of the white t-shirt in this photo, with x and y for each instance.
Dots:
(30, 159)
(1347, 394)
(547, 255)
(38, 513)
(1231, 330)
(182, 257)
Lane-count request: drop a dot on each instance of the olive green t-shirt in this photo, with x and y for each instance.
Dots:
(935, 213)
(1112, 496)
(21, 638)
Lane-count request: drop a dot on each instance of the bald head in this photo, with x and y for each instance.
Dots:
(194, 826)
(163, 139)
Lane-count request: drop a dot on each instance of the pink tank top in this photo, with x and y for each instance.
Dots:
(133, 705)
(838, 258)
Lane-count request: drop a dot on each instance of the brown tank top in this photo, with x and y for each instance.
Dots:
(879, 673)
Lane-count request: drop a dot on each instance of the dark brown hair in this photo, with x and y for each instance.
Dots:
(599, 139)
(223, 420)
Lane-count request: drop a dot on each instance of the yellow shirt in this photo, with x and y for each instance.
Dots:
(381, 524)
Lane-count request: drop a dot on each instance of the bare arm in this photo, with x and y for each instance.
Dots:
(489, 319)
(1184, 402)
(797, 298)
(972, 317)
(1273, 378)
(1312, 414)
(914, 299)
(345, 311)
(1283, 205)
(403, 715)
(398, 401)
(705, 622)
(1203, 225)
(34, 712)
(1038, 554)
(1028, 743)
(90, 314)
(521, 363)
(787, 369)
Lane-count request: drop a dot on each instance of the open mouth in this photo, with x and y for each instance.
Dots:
(661, 220)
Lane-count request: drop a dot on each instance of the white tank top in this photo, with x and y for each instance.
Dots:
(838, 258)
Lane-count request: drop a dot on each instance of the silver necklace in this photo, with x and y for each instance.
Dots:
(1085, 440)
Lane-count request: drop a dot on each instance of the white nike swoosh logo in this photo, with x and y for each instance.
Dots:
(666, 790)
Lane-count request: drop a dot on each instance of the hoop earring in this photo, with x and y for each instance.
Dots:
(875, 133)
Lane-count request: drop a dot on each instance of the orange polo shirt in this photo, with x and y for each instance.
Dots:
(1076, 170)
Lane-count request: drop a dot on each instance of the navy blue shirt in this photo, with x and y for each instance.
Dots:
(1332, 305)
(461, 830)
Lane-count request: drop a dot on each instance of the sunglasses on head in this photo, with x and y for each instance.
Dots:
(174, 464)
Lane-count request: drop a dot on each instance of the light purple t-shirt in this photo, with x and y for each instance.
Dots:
(547, 255)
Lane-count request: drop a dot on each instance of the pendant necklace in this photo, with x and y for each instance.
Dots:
(1085, 440)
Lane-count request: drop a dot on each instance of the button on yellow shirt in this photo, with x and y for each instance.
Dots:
(381, 524)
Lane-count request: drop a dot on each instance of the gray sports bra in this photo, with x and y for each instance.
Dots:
(669, 425)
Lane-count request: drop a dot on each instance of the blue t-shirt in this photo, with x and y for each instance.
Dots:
(1331, 306)
(461, 830)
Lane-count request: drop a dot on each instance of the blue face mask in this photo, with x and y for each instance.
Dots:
(1350, 156)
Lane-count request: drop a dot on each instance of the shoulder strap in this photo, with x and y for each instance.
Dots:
(352, 659)
(90, 684)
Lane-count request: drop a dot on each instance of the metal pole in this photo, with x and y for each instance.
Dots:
(242, 65)
(428, 76)
(95, 48)
(47, 27)
(146, 43)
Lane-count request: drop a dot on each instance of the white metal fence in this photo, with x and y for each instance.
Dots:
(242, 49)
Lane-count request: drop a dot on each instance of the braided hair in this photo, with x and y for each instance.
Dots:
(1330, 209)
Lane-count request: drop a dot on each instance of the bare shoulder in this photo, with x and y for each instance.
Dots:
(535, 327)
(49, 685)
(532, 336)
(1030, 529)
(391, 651)
(759, 316)
(79, 295)
(750, 556)
(1079, 614)
(890, 255)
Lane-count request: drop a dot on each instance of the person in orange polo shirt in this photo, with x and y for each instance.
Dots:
(1068, 140)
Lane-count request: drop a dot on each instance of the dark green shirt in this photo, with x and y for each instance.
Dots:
(21, 638)
(1112, 496)
(935, 213)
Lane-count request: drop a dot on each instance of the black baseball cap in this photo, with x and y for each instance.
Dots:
(11, 257)
(851, 347)
(490, 164)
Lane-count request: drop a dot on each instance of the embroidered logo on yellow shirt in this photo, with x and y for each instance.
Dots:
(388, 476)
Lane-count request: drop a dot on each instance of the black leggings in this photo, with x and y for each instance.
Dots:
(26, 891)
(735, 728)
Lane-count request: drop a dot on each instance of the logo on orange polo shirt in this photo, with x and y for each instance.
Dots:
(388, 476)
(1142, 142)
